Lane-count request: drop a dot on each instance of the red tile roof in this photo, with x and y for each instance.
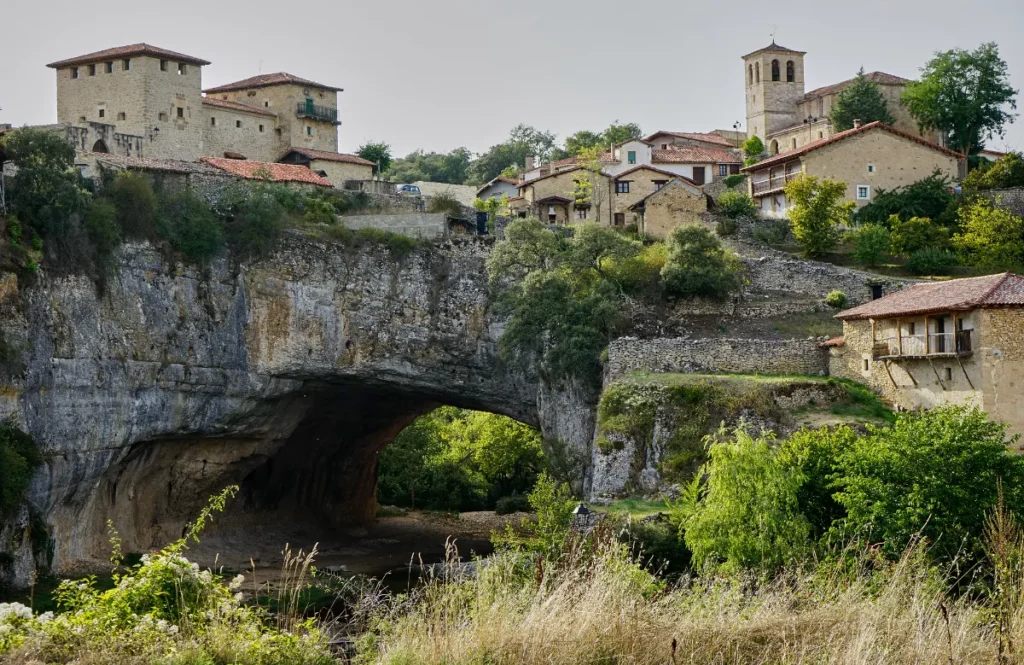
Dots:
(265, 80)
(694, 155)
(834, 342)
(510, 181)
(1002, 290)
(527, 183)
(332, 156)
(648, 167)
(773, 47)
(878, 78)
(277, 172)
(237, 106)
(693, 136)
(127, 52)
(784, 157)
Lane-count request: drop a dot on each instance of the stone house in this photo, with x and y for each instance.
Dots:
(677, 203)
(336, 167)
(866, 158)
(148, 102)
(635, 184)
(499, 187)
(787, 118)
(699, 163)
(554, 198)
(938, 343)
(725, 140)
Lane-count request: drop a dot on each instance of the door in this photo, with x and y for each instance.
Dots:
(698, 175)
(620, 219)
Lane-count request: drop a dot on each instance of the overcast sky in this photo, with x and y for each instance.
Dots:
(439, 74)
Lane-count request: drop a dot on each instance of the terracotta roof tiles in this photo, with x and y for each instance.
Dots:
(693, 136)
(236, 106)
(648, 167)
(1002, 290)
(265, 80)
(878, 78)
(277, 172)
(694, 155)
(332, 156)
(120, 52)
(773, 47)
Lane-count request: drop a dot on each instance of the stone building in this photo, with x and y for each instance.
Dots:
(787, 118)
(556, 198)
(147, 102)
(677, 203)
(866, 158)
(499, 187)
(932, 344)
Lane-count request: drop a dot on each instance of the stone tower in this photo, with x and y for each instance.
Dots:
(774, 78)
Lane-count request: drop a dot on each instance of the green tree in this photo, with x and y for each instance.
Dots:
(190, 226)
(377, 152)
(452, 168)
(19, 458)
(698, 265)
(870, 244)
(734, 205)
(915, 234)
(582, 140)
(928, 197)
(860, 100)
(964, 94)
(1005, 172)
(753, 150)
(44, 191)
(818, 208)
(990, 238)
(591, 182)
(523, 141)
(136, 204)
(618, 132)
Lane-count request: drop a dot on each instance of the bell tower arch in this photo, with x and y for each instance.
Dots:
(774, 77)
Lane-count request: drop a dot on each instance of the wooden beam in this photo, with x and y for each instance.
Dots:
(899, 338)
(927, 337)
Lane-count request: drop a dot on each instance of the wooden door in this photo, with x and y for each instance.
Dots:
(698, 175)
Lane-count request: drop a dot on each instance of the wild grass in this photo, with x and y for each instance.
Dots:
(633, 507)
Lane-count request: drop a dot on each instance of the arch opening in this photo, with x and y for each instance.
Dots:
(775, 70)
(100, 146)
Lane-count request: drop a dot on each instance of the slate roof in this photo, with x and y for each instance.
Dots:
(878, 78)
(278, 172)
(694, 155)
(1002, 290)
(129, 51)
(265, 80)
(693, 136)
(773, 47)
(784, 157)
(237, 106)
(332, 156)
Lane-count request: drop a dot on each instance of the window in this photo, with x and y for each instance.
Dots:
(775, 70)
(620, 219)
(181, 112)
(664, 146)
(92, 70)
(871, 168)
(261, 128)
(863, 192)
(109, 67)
(238, 123)
(790, 72)
(734, 169)
(622, 187)
(658, 184)
(723, 169)
(163, 65)
(867, 365)
(581, 213)
(794, 144)
(821, 135)
(182, 69)
(552, 215)
(121, 116)
(213, 121)
(309, 131)
(912, 328)
(949, 373)
(750, 74)
(631, 156)
(162, 116)
(74, 72)
(266, 103)
(757, 72)
(103, 112)
(821, 107)
(126, 64)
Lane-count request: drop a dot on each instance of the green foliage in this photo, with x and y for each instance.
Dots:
(641, 274)
(965, 94)
(860, 100)
(447, 203)
(737, 204)
(452, 167)
(753, 148)
(915, 234)
(818, 208)
(523, 141)
(698, 265)
(399, 246)
(453, 459)
(515, 503)
(44, 192)
(870, 244)
(253, 217)
(990, 238)
(772, 231)
(928, 197)
(1005, 172)
(377, 152)
(731, 181)
(19, 458)
(747, 514)
(656, 542)
(836, 299)
(615, 133)
(190, 226)
(552, 503)
(136, 205)
(103, 229)
(932, 261)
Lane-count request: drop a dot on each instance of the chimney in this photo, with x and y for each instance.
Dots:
(529, 164)
(856, 123)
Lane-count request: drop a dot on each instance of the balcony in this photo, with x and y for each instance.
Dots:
(773, 184)
(933, 345)
(316, 112)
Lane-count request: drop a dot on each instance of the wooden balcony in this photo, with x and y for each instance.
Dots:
(317, 112)
(773, 184)
(932, 345)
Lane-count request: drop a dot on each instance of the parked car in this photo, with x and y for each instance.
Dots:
(407, 190)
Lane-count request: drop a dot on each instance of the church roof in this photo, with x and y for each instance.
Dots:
(126, 52)
(773, 47)
(878, 78)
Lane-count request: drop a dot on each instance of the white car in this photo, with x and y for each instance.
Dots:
(407, 190)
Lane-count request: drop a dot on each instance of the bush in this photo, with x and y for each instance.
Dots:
(915, 234)
(818, 209)
(927, 197)
(136, 205)
(190, 226)
(737, 204)
(641, 274)
(1005, 172)
(319, 210)
(698, 265)
(772, 231)
(725, 227)
(103, 229)
(870, 244)
(257, 222)
(836, 299)
(516, 503)
(753, 148)
(447, 203)
(990, 238)
(932, 261)
(735, 179)
(44, 191)
(656, 542)
(19, 458)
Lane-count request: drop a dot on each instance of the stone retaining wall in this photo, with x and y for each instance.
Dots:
(1008, 199)
(743, 356)
(774, 271)
(418, 225)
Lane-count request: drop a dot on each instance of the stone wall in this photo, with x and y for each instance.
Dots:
(768, 270)
(1009, 199)
(743, 356)
(418, 225)
(674, 205)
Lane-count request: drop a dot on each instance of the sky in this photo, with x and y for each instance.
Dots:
(442, 74)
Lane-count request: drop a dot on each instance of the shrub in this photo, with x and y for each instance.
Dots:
(735, 179)
(319, 210)
(772, 231)
(1005, 172)
(870, 244)
(932, 261)
(641, 274)
(990, 238)
(103, 229)
(19, 458)
(927, 197)
(915, 234)
(257, 223)
(516, 503)
(190, 226)
(698, 265)
(836, 299)
(447, 203)
(44, 192)
(737, 204)
(818, 208)
(136, 205)
(725, 227)
(753, 148)
(656, 542)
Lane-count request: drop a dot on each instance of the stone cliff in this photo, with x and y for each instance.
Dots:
(286, 376)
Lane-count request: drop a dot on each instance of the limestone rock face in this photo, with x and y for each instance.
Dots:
(286, 376)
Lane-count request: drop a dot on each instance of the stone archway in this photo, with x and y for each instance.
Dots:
(773, 147)
(100, 146)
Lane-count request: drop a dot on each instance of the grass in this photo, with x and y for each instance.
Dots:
(810, 324)
(737, 380)
(633, 507)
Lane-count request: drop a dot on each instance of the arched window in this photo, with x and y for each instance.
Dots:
(775, 70)
(794, 144)
(757, 72)
(790, 72)
(100, 146)
(750, 74)
(773, 147)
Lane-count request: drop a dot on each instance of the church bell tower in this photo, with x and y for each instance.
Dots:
(774, 78)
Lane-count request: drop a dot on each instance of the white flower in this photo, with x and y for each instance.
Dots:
(236, 582)
(172, 630)
(45, 617)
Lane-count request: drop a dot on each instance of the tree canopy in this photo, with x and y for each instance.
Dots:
(818, 209)
(966, 94)
(452, 167)
(860, 100)
(377, 152)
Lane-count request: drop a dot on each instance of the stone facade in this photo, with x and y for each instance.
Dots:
(716, 355)
(420, 225)
(781, 273)
(339, 172)
(251, 133)
(772, 105)
(643, 182)
(551, 198)
(675, 204)
(284, 100)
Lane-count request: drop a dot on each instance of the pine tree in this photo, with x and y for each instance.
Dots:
(861, 100)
